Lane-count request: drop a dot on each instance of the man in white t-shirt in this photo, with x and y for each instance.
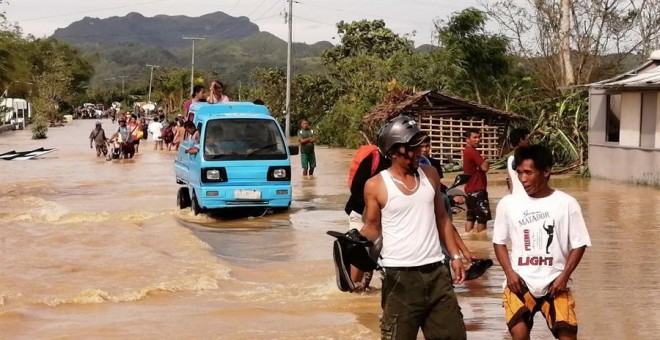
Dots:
(517, 138)
(548, 238)
(156, 128)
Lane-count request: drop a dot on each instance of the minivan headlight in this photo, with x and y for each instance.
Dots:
(213, 174)
(279, 173)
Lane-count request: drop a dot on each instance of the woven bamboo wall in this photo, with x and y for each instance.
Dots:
(447, 141)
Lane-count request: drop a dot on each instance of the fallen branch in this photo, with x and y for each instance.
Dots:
(570, 168)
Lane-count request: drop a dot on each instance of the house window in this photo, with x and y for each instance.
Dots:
(613, 118)
(648, 119)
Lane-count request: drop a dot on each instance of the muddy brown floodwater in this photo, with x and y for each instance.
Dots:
(96, 249)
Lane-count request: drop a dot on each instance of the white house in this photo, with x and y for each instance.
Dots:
(624, 125)
(16, 111)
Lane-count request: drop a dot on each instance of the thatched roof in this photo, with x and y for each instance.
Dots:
(434, 102)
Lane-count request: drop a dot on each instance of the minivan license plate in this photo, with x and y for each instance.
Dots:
(247, 194)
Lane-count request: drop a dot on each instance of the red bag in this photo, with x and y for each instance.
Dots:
(168, 134)
(363, 152)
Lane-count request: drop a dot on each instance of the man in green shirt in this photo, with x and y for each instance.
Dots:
(306, 140)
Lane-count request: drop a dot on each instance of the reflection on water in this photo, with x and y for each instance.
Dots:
(99, 249)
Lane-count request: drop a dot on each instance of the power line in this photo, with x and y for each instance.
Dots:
(367, 14)
(314, 20)
(270, 8)
(91, 11)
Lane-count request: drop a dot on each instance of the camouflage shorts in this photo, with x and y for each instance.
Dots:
(478, 207)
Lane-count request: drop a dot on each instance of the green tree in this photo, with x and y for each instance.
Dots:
(368, 58)
(171, 86)
(270, 86)
(365, 37)
(9, 36)
(313, 96)
(47, 56)
(474, 58)
(419, 70)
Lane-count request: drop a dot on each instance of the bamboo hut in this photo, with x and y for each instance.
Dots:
(445, 118)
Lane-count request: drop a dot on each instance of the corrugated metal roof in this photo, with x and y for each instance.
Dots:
(649, 78)
(643, 79)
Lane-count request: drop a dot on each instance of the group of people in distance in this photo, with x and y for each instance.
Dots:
(400, 208)
(125, 141)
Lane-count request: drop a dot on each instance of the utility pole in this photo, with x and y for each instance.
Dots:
(151, 79)
(288, 71)
(192, 63)
(122, 83)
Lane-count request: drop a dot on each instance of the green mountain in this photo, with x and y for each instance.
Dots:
(231, 49)
(161, 30)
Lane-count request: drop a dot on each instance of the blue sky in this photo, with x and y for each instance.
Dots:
(314, 20)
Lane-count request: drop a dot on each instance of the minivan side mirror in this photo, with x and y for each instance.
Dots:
(293, 150)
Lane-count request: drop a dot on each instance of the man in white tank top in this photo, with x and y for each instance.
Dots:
(517, 138)
(403, 207)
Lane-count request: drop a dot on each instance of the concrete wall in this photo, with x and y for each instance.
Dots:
(635, 165)
(631, 118)
(657, 122)
(640, 125)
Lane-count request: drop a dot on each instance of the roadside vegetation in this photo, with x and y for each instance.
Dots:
(535, 66)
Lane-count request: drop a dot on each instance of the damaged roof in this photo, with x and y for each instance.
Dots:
(402, 102)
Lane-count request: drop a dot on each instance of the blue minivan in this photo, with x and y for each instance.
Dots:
(243, 160)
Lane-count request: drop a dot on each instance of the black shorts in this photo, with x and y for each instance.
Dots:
(478, 207)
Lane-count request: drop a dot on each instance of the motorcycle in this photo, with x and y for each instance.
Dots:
(456, 196)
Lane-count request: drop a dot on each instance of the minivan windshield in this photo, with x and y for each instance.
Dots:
(237, 139)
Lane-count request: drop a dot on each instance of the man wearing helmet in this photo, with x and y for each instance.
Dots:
(125, 139)
(402, 206)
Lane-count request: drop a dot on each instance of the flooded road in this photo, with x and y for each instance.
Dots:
(96, 249)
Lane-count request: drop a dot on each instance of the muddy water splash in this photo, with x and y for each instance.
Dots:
(98, 249)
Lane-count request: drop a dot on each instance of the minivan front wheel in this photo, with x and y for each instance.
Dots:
(194, 205)
(183, 198)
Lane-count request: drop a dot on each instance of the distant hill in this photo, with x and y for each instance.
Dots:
(427, 48)
(161, 30)
(232, 48)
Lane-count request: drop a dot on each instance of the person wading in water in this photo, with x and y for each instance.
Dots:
(403, 205)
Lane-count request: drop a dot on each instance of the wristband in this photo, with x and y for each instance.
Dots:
(457, 257)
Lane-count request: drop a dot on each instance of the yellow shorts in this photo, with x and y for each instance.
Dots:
(559, 312)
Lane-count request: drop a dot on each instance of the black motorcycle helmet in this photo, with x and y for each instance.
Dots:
(399, 130)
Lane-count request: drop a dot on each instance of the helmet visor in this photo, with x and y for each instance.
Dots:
(418, 139)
